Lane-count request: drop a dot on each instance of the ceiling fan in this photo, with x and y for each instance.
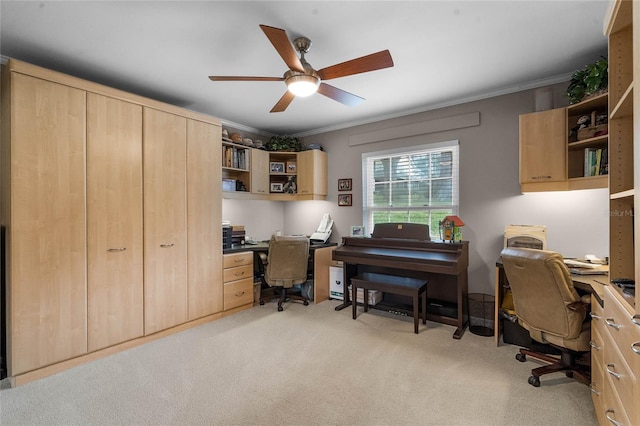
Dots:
(303, 80)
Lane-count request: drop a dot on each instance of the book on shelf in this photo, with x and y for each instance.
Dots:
(596, 162)
(235, 158)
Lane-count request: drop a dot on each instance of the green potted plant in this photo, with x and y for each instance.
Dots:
(284, 143)
(590, 80)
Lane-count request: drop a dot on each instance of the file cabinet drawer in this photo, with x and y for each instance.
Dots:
(238, 273)
(618, 374)
(597, 389)
(613, 411)
(238, 259)
(238, 293)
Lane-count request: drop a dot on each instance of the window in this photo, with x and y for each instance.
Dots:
(416, 184)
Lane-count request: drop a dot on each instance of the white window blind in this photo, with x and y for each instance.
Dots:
(416, 185)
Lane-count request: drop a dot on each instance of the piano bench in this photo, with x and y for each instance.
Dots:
(393, 284)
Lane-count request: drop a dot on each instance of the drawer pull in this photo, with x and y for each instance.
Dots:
(636, 319)
(239, 274)
(594, 316)
(594, 346)
(636, 347)
(610, 322)
(610, 368)
(240, 293)
(166, 245)
(238, 260)
(606, 414)
(541, 177)
(597, 392)
(116, 249)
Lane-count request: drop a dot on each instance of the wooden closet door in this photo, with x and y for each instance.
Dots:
(114, 221)
(204, 220)
(165, 220)
(47, 230)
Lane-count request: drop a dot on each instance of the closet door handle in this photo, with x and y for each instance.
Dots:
(610, 322)
(116, 249)
(167, 245)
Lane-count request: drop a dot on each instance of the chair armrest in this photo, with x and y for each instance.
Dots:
(263, 258)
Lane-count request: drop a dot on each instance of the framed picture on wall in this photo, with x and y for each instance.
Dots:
(344, 184)
(344, 199)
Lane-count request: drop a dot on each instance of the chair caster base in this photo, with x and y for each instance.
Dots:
(534, 381)
(305, 303)
(280, 309)
(521, 357)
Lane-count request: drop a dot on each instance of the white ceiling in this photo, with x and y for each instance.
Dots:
(444, 52)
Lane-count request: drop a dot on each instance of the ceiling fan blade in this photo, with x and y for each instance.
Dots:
(339, 95)
(284, 102)
(240, 78)
(278, 37)
(373, 62)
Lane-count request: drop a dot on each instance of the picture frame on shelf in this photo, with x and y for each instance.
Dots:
(277, 187)
(344, 200)
(276, 167)
(357, 231)
(291, 167)
(344, 184)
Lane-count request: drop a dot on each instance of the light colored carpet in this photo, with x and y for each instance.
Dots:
(304, 366)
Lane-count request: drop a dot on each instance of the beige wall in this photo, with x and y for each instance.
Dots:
(490, 196)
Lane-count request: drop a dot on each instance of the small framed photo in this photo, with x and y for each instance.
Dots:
(276, 167)
(344, 199)
(291, 166)
(357, 231)
(344, 185)
(277, 187)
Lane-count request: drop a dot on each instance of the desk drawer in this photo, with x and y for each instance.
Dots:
(598, 389)
(238, 293)
(613, 410)
(238, 259)
(238, 273)
(618, 373)
(624, 333)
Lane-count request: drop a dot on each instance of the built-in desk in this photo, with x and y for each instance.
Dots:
(319, 262)
(593, 284)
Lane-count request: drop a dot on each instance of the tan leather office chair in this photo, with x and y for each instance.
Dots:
(285, 266)
(548, 306)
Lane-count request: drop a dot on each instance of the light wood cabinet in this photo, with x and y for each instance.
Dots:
(551, 161)
(165, 219)
(312, 173)
(205, 289)
(543, 153)
(620, 328)
(43, 210)
(100, 251)
(259, 172)
(114, 221)
(238, 280)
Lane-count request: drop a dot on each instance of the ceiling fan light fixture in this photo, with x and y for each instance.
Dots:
(303, 85)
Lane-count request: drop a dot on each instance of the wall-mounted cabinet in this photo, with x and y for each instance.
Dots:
(556, 156)
(276, 176)
(236, 167)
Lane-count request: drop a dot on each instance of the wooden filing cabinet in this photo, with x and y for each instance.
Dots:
(238, 279)
(597, 358)
(620, 362)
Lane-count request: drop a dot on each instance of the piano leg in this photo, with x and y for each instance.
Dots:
(348, 270)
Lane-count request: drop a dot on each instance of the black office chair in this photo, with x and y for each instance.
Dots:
(548, 306)
(285, 266)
